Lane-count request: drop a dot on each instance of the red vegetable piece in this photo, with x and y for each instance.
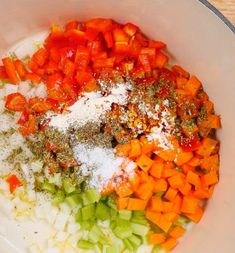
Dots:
(40, 57)
(190, 144)
(82, 58)
(3, 73)
(30, 127)
(20, 68)
(39, 105)
(15, 102)
(10, 70)
(13, 182)
(23, 117)
(130, 29)
(100, 24)
(71, 25)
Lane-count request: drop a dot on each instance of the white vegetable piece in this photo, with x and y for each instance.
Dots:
(61, 221)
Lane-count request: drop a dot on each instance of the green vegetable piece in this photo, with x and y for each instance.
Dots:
(139, 229)
(83, 244)
(121, 222)
(86, 225)
(113, 214)
(113, 249)
(49, 187)
(123, 231)
(59, 197)
(111, 202)
(73, 200)
(135, 241)
(181, 221)
(95, 234)
(102, 211)
(88, 212)
(128, 244)
(78, 216)
(90, 196)
(68, 185)
(125, 214)
(138, 214)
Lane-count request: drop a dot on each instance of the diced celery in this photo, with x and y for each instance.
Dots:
(128, 244)
(138, 213)
(86, 225)
(158, 249)
(113, 224)
(90, 196)
(59, 197)
(123, 231)
(121, 222)
(88, 212)
(139, 220)
(68, 185)
(95, 234)
(125, 214)
(139, 229)
(135, 241)
(73, 201)
(111, 202)
(78, 216)
(102, 211)
(55, 179)
(113, 249)
(113, 214)
(49, 187)
(83, 244)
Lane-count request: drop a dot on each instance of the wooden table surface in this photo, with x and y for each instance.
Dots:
(227, 7)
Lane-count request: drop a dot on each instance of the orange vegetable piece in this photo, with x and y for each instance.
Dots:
(201, 193)
(156, 169)
(214, 121)
(160, 185)
(169, 244)
(180, 71)
(189, 205)
(144, 162)
(164, 224)
(167, 155)
(154, 217)
(168, 172)
(124, 189)
(123, 149)
(196, 217)
(147, 146)
(195, 161)
(182, 157)
(134, 181)
(207, 147)
(10, 70)
(15, 102)
(180, 82)
(144, 191)
(135, 204)
(177, 202)
(170, 194)
(155, 204)
(135, 149)
(210, 178)
(176, 181)
(176, 232)
(122, 203)
(210, 163)
(167, 206)
(192, 178)
(171, 216)
(193, 85)
(185, 189)
(156, 238)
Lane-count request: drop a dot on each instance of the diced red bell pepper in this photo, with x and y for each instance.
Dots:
(190, 144)
(54, 81)
(108, 37)
(32, 65)
(91, 34)
(56, 39)
(76, 37)
(158, 45)
(54, 55)
(14, 182)
(100, 24)
(122, 48)
(39, 105)
(57, 94)
(54, 104)
(104, 63)
(94, 47)
(71, 25)
(15, 102)
(20, 68)
(69, 68)
(145, 62)
(10, 70)
(30, 127)
(33, 77)
(23, 117)
(51, 67)
(120, 36)
(69, 87)
(68, 164)
(82, 58)
(40, 57)
(130, 29)
(167, 74)
(91, 85)
(82, 77)
(161, 60)
(3, 73)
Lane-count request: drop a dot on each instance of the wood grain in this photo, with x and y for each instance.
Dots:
(227, 7)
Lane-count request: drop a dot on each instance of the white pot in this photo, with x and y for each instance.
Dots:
(198, 40)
